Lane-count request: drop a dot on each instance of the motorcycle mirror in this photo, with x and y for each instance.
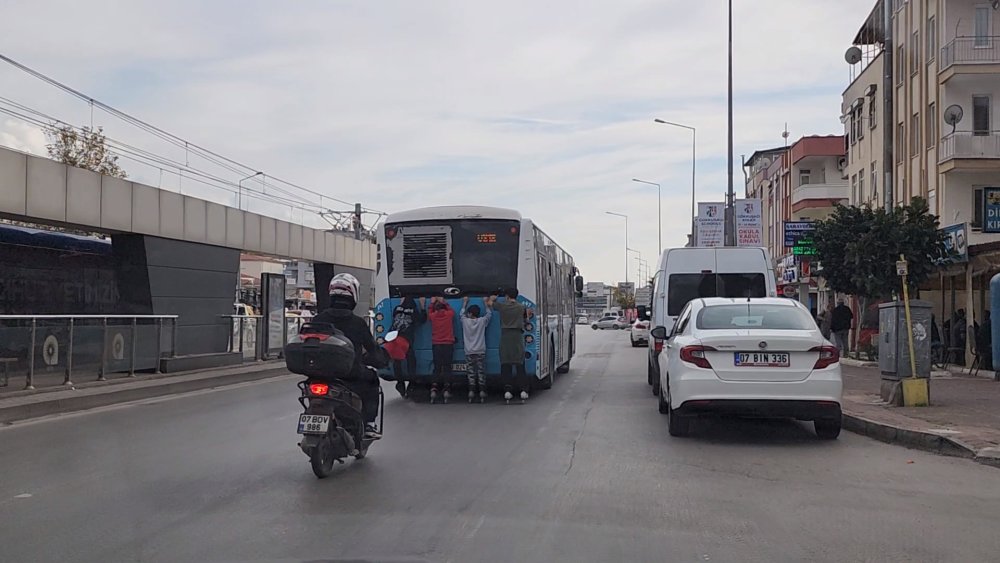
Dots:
(390, 336)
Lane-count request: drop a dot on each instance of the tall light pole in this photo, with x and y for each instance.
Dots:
(626, 239)
(239, 196)
(694, 163)
(659, 212)
(730, 195)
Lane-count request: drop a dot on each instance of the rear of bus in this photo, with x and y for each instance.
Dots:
(453, 252)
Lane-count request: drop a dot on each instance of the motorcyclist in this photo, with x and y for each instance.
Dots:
(344, 290)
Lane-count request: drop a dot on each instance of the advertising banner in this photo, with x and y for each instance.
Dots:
(991, 210)
(710, 224)
(956, 244)
(749, 223)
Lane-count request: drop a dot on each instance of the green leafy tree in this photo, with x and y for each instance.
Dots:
(87, 149)
(858, 248)
(623, 300)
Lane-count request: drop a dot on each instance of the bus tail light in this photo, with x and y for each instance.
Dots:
(657, 345)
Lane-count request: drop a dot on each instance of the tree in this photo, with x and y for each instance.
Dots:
(858, 248)
(84, 149)
(623, 300)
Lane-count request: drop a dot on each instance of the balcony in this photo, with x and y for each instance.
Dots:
(815, 201)
(970, 55)
(970, 151)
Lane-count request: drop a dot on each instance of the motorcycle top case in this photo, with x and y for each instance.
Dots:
(319, 352)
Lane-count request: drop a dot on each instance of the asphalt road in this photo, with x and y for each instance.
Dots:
(584, 472)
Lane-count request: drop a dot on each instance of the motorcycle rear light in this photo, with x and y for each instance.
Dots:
(316, 335)
(828, 355)
(318, 389)
(695, 355)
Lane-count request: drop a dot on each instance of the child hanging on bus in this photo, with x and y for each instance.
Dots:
(474, 337)
(442, 319)
(512, 317)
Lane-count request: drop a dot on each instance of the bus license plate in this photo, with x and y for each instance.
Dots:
(761, 359)
(461, 367)
(313, 423)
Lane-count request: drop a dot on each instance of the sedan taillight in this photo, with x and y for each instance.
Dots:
(828, 355)
(696, 355)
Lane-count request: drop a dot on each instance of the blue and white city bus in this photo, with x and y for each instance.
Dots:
(474, 251)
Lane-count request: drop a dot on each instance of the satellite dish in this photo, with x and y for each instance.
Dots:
(953, 114)
(853, 56)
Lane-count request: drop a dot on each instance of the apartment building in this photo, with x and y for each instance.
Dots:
(946, 147)
(801, 182)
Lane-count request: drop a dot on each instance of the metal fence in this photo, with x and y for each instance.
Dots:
(970, 50)
(51, 349)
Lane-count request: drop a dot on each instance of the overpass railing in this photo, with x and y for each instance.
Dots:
(51, 349)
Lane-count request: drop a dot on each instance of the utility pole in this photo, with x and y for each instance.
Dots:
(357, 221)
(730, 215)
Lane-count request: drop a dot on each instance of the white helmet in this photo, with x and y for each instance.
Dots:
(345, 285)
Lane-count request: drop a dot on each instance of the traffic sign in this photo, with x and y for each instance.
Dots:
(901, 268)
(789, 291)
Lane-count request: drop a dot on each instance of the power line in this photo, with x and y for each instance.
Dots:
(215, 158)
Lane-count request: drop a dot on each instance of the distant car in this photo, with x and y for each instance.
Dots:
(609, 322)
(762, 357)
(640, 333)
(582, 320)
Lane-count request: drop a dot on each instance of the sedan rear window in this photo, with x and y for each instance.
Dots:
(771, 317)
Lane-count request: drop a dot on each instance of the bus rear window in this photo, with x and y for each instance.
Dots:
(682, 288)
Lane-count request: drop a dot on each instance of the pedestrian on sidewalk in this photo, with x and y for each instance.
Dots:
(405, 318)
(474, 338)
(840, 324)
(442, 319)
(825, 318)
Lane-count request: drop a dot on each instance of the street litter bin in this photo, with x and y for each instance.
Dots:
(893, 349)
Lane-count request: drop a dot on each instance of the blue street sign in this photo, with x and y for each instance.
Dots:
(991, 210)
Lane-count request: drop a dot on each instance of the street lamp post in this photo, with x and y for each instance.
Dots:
(730, 195)
(626, 239)
(694, 163)
(659, 212)
(239, 196)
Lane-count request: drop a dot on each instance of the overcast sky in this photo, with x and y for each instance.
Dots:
(546, 107)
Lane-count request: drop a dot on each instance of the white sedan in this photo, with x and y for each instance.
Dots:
(762, 357)
(640, 333)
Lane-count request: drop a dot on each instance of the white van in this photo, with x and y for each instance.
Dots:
(687, 273)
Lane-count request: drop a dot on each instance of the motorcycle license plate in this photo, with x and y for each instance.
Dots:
(313, 423)
(459, 367)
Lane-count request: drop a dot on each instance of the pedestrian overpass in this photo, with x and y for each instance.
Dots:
(171, 254)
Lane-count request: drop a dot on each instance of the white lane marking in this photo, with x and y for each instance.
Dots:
(23, 495)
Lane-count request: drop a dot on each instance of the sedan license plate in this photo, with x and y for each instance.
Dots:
(314, 423)
(761, 359)
(459, 368)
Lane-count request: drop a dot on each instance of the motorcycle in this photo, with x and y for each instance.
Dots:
(332, 424)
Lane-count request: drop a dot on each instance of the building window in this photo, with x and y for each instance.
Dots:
(931, 39)
(874, 180)
(872, 112)
(854, 188)
(915, 53)
(980, 115)
(852, 128)
(861, 185)
(977, 208)
(983, 26)
(900, 64)
(932, 124)
(861, 121)
(804, 177)
(914, 134)
(900, 142)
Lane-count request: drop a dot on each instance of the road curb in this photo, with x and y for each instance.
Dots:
(67, 401)
(918, 439)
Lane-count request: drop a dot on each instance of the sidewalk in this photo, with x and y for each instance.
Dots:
(24, 404)
(963, 419)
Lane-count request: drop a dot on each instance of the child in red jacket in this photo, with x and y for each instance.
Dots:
(442, 319)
